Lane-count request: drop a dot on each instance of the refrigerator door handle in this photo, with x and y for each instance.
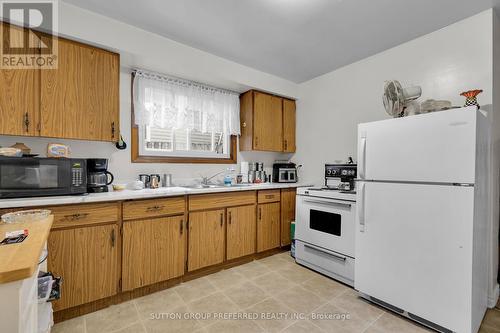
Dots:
(362, 158)
(361, 208)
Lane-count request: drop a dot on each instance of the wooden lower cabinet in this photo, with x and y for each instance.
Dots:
(87, 260)
(241, 231)
(287, 213)
(206, 238)
(153, 251)
(85, 241)
(268, 226)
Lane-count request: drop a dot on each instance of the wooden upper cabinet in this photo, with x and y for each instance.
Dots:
(289, 126)
(20, 92)
(206, 238)
(241, 231)
(79, 99)
(268, 117)
(265, 124)
(153, 251)
(87, 260)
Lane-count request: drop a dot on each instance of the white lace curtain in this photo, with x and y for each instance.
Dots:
(168, 102)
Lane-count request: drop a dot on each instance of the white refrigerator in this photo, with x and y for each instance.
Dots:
(422, 217)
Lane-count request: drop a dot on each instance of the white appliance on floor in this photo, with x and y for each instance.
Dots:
(325, 225)
(422, 216)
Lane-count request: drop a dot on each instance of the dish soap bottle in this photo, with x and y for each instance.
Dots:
(228, 178)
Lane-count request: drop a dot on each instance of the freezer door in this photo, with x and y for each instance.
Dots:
(435, 147)
(414, 249)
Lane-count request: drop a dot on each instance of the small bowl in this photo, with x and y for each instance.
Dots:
(31, 215)
(119, 187)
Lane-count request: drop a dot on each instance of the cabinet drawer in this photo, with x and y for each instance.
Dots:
(269, 196)
(75, 215)
(139, 209)
(221, 200)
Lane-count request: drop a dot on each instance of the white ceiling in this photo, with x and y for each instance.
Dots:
(293, 39)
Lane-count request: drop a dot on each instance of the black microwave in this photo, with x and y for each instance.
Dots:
(33, 177)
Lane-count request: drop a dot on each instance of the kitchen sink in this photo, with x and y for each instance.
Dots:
(202, 186)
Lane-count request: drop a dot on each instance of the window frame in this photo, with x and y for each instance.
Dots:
(138, 158)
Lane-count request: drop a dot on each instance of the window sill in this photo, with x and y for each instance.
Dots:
(137, 158)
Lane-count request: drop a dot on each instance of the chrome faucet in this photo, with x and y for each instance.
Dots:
(206, 180)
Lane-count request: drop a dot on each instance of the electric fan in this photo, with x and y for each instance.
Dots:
(396, 99)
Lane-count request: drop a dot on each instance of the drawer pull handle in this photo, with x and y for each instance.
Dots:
(113, 238)
(229, 217)
(221, 219)
(154, 208)
(330, 253)
(182, 226)
(269, 196)
(77, 216)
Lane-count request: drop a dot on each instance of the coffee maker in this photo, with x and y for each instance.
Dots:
(98, 176)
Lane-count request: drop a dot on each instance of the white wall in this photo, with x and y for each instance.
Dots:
(120, 160)
(495, 195)
(444, 63)
(142, 49)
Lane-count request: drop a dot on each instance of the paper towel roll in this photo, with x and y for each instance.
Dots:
(244, 168)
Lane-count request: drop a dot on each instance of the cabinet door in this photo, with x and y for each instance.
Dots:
(79, 100)
(206, 238)
(20, 92)
(153, 251)
(289, 126)
(87, 260)
(268, 226)
(287, 214)
(268, 122)
(241, 231)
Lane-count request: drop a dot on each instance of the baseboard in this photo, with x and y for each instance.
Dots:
(493, 299)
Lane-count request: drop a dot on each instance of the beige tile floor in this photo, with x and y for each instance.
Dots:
(274, 286)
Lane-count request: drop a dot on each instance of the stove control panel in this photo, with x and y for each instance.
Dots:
(341, 171)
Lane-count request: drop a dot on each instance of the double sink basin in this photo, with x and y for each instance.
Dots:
(202, 186)
(192, 187)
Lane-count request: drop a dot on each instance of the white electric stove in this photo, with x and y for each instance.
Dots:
(325, 224)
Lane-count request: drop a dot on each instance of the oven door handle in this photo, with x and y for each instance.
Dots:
(328, 202)
(330, 253)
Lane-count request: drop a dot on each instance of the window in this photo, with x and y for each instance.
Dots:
(183, 142)
(183, 121)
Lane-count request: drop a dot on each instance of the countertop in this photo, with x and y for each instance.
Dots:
(136, 194)
(20, 261)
